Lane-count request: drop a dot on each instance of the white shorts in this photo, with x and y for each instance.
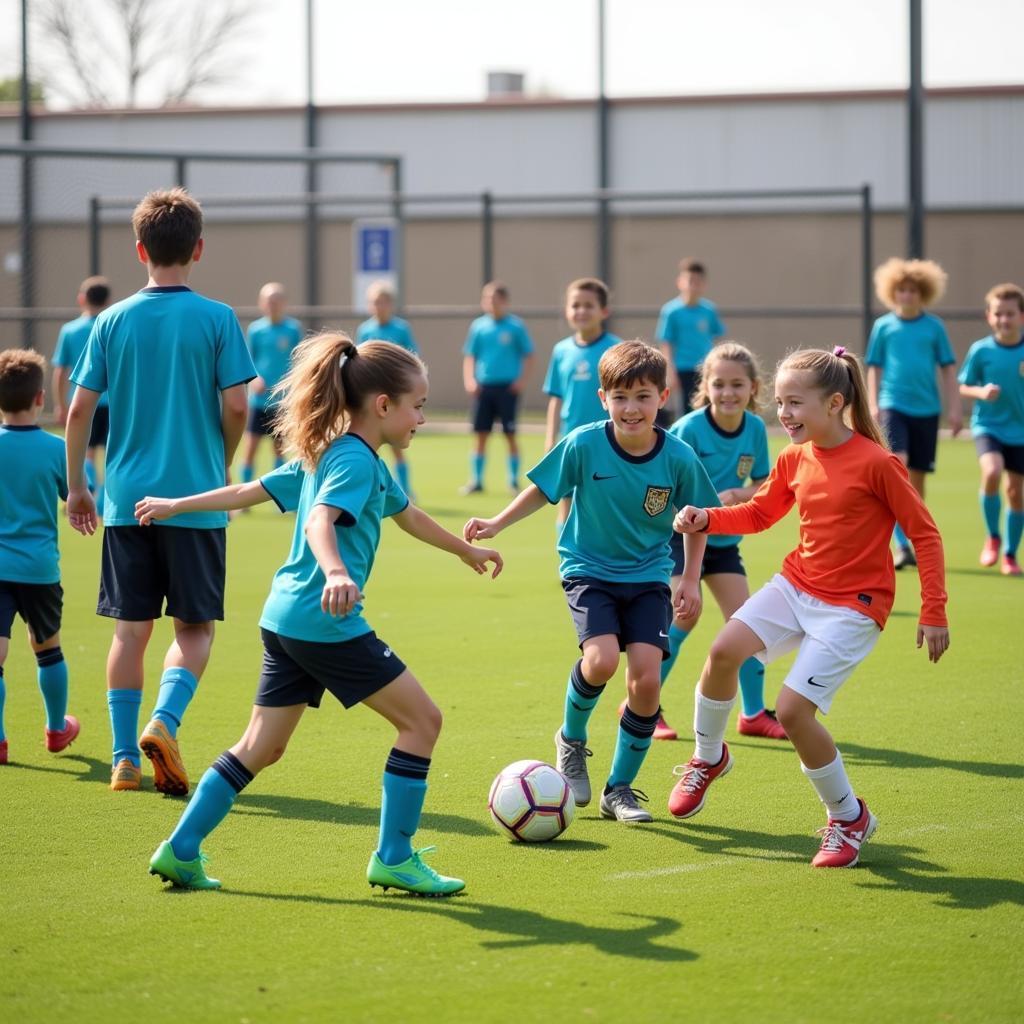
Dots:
(832, 640)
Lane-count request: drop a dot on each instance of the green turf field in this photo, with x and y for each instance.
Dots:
(717, 919)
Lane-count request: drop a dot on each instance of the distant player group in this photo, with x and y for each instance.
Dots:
(166, 382)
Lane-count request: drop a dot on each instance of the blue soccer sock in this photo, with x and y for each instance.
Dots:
(635, 734)
(177, 688)
(476, 466)
(580, 700)
(124, 708)
(513, 470)
(991, 506)
(402, 473)
(1014, 528)
(3, 701)
(52, 673)
(752, 687)
(676, 636)
(210, 803)
(900, 537)
(247, 473)
(405, 787)
(90, 476)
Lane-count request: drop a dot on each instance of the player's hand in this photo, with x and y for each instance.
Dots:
(82, 511)
(340, 594)
(956, 422)
(515, 387)
(937, 639)
(688, 601)
(259, 385)
(479, 529)
(691, 520)
(477, 559)
(149, 509)
(990, 392)
(729, 496)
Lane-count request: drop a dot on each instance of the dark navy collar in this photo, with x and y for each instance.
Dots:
(20, 426)
(589, 344)
(659, 443)
(363, 441)
(158, 289)
(721, 431)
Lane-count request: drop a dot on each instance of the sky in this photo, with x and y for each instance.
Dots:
(441, 50)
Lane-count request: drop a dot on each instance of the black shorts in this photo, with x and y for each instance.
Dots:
(39, 604)
(717, 560)
(637, 613)
(1013, 454)
(143, 565)
(100, 427)
(688, 382)
(298, 671)
(915, 436)
(495, 402)
(261, 421)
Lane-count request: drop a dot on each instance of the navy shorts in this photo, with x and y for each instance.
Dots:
(637, 613)
(261, 421)
(688, 382)
(39, 604)
(717, 560)
(916, 436)
(100, 427)
(144, 565)
(1013, 454)
(495, 402)
(298, 671)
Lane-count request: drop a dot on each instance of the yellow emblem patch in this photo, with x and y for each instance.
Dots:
(744, 466)
(656, 500)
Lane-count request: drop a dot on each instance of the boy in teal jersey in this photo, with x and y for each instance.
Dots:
(625, 476)
(687, 328)
(342, 403)
(175, 365)
(32, 471)
(385, 326)
(993, 375)
(93, 298)
(906, 347)
(272, 340)
(496, 360)
(571, 381)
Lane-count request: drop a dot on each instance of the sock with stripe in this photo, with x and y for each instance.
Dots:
(52, 673)
(710, 718)
(247, 473)
(580, 700)
(476, 467)
(1014, 528)
(834, 789)
(405, 788)
(124, 708)
(991, 506)
(900, 537)
(3, 701)
(402, 475)
(210, 803)
(676, 636)
(634, 740)
(752, 687)
(177, 688)
(513, 470)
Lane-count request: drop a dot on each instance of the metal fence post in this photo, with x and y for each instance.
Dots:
(487, 231)
(94, 236)
(867, 259)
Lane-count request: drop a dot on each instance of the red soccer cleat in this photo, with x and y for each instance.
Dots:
(1010, 567)
(690, 792)
(764, 723)
(3, 751)
(990, 552)
(662, 731)
(841, 840)
(60, 739)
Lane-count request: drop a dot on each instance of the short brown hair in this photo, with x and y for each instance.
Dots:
(925, 275)
(95, 291)
(692, 266)
(22, 372)
(498, 288)
(629, 363)
(169, 223)
(591, 284)
(1009, 291)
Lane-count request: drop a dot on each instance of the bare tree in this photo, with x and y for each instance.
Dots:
(104, 53)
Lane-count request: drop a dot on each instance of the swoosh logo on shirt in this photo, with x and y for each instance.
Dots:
(597, 476)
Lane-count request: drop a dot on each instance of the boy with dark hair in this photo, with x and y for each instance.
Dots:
(175, 365)
(32, 470)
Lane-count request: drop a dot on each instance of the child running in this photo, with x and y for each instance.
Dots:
(625, 477)
(340, 404)
(993, 375)
(834, 593)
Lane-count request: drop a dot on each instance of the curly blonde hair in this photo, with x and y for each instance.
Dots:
(733, 352)
(925, 275)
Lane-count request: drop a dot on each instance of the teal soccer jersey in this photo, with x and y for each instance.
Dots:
(690, 331)
(572, 377)
(349, 477)
(988, 362)
(33, 470)
(908, 352)
(164, 355)
(70, 345)
(499, 347)
(731, 459)
(395, 330)
(271, 346)
(620, 522)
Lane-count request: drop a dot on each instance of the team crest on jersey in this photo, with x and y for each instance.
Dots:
(582, 371)
(656, 500)
(744, 466)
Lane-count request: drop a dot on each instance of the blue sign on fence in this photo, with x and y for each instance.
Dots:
(375, 245)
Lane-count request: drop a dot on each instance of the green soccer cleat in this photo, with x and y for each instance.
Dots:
(412, 875)
(183, 874)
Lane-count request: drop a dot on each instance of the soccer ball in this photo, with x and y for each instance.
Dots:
(531, 801)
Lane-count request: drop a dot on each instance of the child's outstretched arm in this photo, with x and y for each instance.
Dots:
(415, 522)
(531, 499)
(223, 499)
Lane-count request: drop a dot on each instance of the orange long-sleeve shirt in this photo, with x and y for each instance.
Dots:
(848, 498)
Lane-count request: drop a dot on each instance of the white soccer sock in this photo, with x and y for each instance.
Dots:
(834, 790)
(710, 718)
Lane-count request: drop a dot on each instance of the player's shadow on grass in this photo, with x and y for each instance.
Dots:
(95, 770)
(307, 809)
(718, 841)
(879, 757)
(951, 891)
